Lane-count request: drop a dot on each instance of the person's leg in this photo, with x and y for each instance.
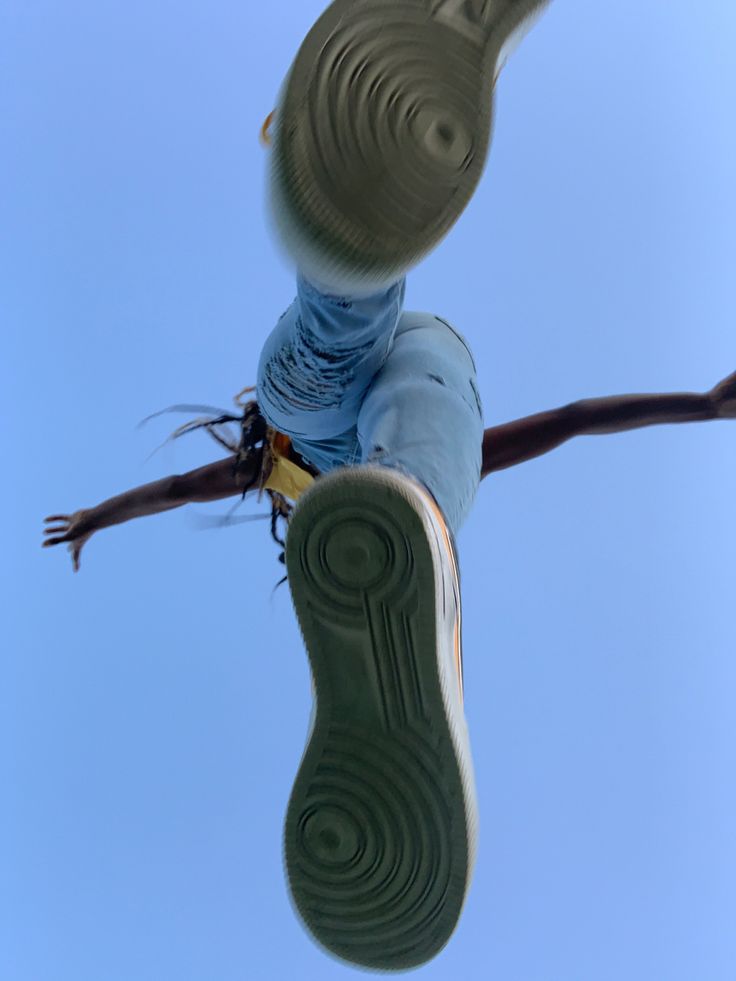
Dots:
(317, 364)
(422, 415)
(383, 813)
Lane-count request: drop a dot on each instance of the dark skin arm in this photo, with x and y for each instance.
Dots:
(503, 446)
(522, 440)
(212, 482)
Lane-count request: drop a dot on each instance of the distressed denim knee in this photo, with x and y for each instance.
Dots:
(318, 362)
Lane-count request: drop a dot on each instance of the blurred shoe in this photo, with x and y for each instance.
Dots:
(382, 130)
(380, 831)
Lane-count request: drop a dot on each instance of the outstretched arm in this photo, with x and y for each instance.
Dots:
(514, 443)
(209, 483)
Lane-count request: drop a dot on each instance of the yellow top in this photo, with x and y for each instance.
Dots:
(286, 477)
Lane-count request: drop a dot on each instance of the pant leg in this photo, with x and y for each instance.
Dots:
(423, 415)
(317, 363)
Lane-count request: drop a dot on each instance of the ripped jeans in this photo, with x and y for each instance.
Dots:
(358, 380)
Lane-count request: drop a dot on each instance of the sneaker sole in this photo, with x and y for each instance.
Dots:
(380, 828)
(378, 145)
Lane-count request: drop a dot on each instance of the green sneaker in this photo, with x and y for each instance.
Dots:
(382, 130)
(380, 831)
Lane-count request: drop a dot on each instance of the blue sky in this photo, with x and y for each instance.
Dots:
(154, 706)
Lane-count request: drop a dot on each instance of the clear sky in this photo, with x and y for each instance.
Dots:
(154, 706)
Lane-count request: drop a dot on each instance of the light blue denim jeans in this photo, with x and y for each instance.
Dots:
(358, 380)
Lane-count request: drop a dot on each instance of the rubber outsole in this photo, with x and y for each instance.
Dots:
(379, 831)
(382, 131)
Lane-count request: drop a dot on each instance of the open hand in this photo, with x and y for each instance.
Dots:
(72, 529)
(723, 396)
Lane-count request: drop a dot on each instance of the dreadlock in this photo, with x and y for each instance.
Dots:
(254, 456)
(254, 463)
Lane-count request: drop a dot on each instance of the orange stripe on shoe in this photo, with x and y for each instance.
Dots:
(458, 619)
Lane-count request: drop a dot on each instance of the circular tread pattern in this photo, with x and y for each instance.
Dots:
(381, 146)
(369, 849)
(354, 550)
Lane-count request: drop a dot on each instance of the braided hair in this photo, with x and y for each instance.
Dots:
(254, 457)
